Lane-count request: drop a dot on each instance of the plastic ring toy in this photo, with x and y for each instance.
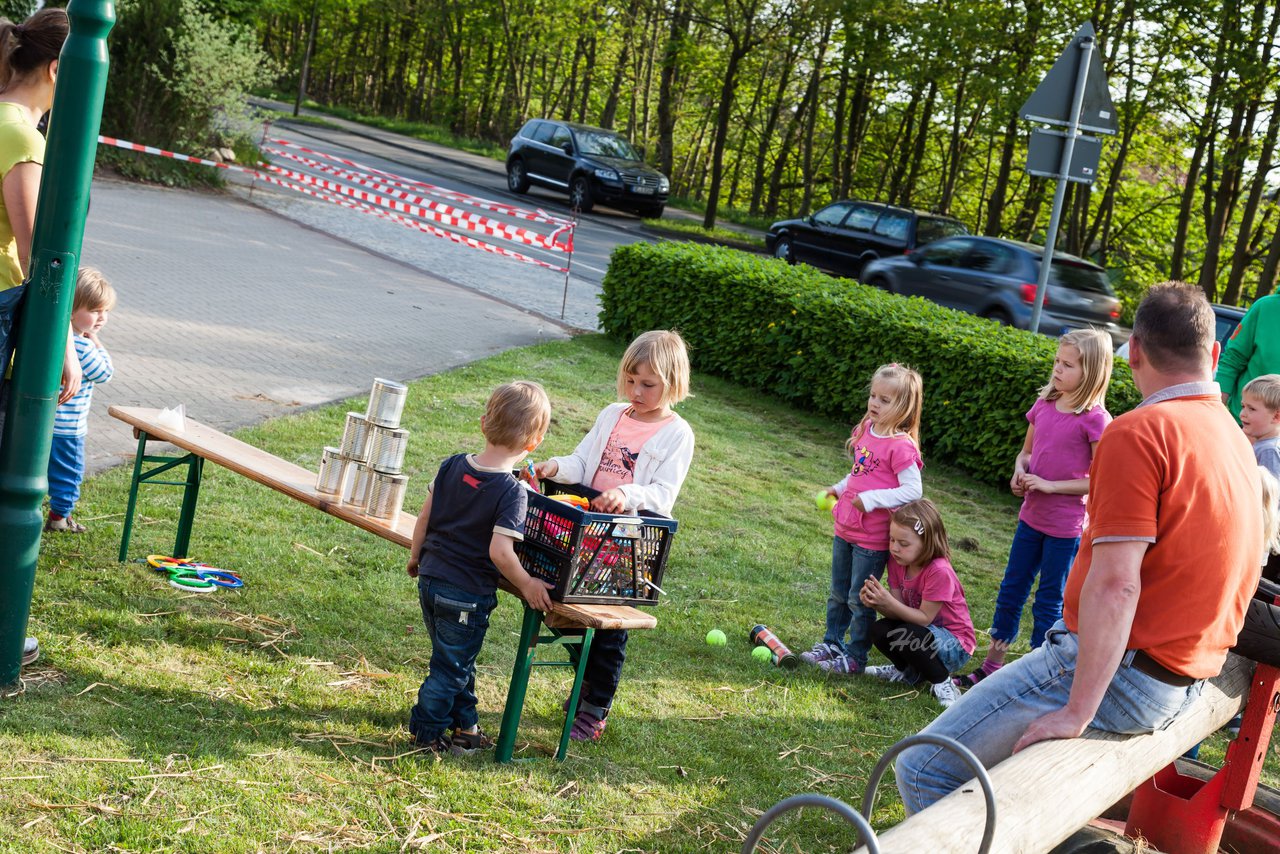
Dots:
(164, 563)
(221, 578)
(190, 581)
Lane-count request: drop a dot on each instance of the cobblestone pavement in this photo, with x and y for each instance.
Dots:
(243, 315)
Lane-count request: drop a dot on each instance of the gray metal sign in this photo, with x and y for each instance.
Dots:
(1051, 102)
(1044, 156)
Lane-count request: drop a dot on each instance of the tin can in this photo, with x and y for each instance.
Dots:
(355, 437)
(333, 468)
(386, 448)
(357, 485)
(386, 494)
(386, 402)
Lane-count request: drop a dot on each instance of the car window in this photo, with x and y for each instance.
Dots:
(1079, 277)
(945, 253)
(543, 132)
(863, 218)
(929, 229)
(893, 225)
(1225, 326)
(989, 258)
(832, 215)
(606, 145)
(559, 136)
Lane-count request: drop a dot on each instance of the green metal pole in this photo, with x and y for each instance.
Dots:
(42, 339)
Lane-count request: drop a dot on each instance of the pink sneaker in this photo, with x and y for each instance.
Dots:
(822, 651)
(587, 727)
(841, 665)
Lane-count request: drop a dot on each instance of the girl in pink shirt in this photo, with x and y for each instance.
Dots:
(885, 474)
(924, 630)
(637, 455)
(1051, 473)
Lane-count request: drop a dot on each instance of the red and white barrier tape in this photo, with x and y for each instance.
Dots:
(433, 210)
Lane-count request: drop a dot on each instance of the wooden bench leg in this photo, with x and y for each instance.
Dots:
(187, 517)
(190, 494)
(580, 661)
(133, 495)
(519, 684)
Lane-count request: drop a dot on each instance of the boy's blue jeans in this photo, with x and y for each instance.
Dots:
(457, 621)
(991, 717)
(851, 566)
(66, 470)
(1033, 552)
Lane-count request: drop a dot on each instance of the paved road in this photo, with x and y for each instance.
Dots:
(243, 315)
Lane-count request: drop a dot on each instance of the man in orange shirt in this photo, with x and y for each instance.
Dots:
(1166, 568)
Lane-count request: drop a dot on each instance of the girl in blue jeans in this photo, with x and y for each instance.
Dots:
(885, 447)
(1051, 473)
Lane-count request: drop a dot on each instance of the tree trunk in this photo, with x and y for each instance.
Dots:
(680, 15)
(727, 91)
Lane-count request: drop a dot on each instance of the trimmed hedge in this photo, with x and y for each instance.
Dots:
(815, 341)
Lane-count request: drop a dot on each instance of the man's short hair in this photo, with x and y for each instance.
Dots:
(1266, 389)
(1174, 326)
(517, 415)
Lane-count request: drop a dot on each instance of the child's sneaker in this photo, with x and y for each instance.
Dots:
(30, 651)
(945, 693)
(887, 672)
(841, 665)
(63, 525)
(440, 745)
(822, 651)
(467, 743)
(587, 727)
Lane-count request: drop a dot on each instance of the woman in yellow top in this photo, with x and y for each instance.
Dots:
(28, 71)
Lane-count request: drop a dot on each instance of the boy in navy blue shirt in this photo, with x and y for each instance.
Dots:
(465, 538)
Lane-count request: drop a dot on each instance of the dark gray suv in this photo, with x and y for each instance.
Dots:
(591, 164)
(997, 278)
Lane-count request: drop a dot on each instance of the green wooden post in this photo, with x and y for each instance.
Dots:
(55, 258)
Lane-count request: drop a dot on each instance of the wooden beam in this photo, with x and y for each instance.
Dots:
(1054, 788)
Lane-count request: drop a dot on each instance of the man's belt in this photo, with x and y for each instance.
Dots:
(1144, 663)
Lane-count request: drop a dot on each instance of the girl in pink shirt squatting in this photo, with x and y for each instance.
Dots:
(1051, 473)
(637, 456)
(885, 446)
(924, 630)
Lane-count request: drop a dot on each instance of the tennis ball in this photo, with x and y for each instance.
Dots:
(762, 653)
(715, 637)
(824, 501)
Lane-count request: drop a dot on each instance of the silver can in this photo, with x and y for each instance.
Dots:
(357, 487)
(386, 402)
(386, 448)
(386, 495)
(333, 468)
(355, 437)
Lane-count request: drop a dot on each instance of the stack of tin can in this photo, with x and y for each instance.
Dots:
(364, 470)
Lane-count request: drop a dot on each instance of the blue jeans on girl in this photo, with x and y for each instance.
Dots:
(851, 566)
(1033, 552)
(66, 470)
(457, 621)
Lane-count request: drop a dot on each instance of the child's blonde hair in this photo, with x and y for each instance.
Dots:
(93, 291)
(517, 415)
(1270, 512)
(922, 516)
(1265, 388)
(903, 414)
(1094, 347)
(666, 354)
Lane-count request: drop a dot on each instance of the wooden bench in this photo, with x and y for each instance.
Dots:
(201, 443)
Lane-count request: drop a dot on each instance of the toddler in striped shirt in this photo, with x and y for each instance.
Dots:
(94, 300)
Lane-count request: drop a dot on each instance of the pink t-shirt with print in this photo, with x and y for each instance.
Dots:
(877, 462)
(618, 462)
(1061, 449)
(937, 582)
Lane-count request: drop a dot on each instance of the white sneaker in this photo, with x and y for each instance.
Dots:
(945, 693)
(887, 672)
(822, 651)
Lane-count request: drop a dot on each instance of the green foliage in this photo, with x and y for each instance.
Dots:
(815, 341)
(178, 80)
(18, 10)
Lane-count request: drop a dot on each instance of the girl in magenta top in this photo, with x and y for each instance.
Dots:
(924, 630)
(1051, 473)
(885, 474)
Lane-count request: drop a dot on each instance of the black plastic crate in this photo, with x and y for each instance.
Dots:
(594, 558)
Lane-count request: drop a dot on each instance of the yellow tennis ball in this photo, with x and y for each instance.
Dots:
(715, 637)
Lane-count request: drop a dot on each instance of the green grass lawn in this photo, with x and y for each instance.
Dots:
(273, 718)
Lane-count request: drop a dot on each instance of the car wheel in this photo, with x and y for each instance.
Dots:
(782, 250)
(517, 178)
(999, 315)
(1259, 638)
(882, 283)
(580, 194)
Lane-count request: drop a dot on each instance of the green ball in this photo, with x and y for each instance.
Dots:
(824, 501)
(762, 653)
(715, 637)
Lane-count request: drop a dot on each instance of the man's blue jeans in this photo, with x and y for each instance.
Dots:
(457, 621)
(1033, 553)
(851, 566)
(992, 716)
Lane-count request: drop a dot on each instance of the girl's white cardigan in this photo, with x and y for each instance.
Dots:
(660, 469)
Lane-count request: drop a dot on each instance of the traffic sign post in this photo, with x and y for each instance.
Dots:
(1073, 94)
